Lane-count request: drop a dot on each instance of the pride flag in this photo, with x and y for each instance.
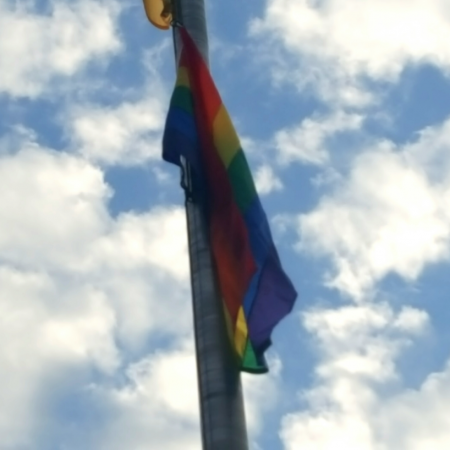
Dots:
(256, 292)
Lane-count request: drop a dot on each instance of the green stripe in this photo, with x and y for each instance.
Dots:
(182, 98)
(241, 180)
(249, 362)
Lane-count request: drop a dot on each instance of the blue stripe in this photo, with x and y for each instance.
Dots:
(260, 244)
(181, 138)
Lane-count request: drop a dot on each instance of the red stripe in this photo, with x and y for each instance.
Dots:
(229, 236)
(207, 99)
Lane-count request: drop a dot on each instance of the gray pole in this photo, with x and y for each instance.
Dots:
(220, 392)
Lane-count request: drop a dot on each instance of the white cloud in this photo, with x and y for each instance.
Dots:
(307, 143)
(266, 181)
(327, 177)
(261, 395)
(391, 214)
(351, 404)
(339, 43)
(81, 292)
(157, 408)
(85, 299)
(354, 339)
(424, 413)
(44, 46)
(128, 134)
(358, 400)
(160, 402)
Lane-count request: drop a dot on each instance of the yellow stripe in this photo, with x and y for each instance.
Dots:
(225, 137)
(228, 323)
(183, 77)
(240, 333)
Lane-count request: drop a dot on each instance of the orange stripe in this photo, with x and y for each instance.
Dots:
(183, 77)
(225, 137)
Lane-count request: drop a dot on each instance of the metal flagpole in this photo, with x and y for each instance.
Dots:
(220, 393)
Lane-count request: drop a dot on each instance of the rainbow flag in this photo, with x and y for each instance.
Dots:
(256, 292)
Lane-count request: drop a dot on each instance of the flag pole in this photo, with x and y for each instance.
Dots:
(222, 413)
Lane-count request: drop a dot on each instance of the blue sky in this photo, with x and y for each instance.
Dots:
(343, 109)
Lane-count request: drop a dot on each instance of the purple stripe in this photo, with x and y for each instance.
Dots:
(271, 294)
(274, 300)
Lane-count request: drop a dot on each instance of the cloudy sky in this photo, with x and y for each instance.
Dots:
(343, 108)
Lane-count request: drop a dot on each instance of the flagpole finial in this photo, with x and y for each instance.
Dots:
(159, 13)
